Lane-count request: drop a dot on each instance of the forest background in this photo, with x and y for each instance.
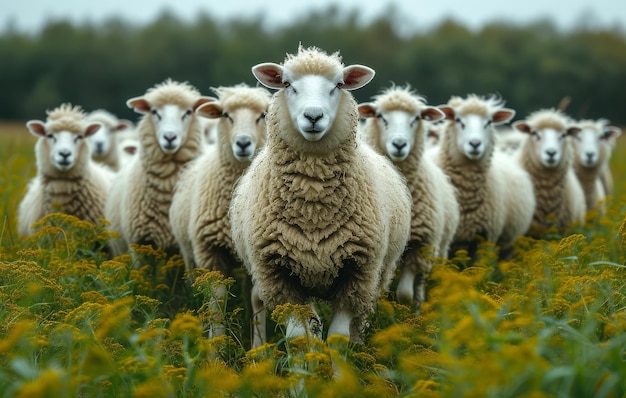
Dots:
(101, 65)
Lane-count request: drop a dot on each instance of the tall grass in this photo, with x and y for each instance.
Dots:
(551, 322)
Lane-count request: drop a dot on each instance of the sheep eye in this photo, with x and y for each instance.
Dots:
(533, 133)
(156, 114)
(416, 120)
(261, 117)
(186, 114)
(488, 123)
(227, 117)
(340, 85)
(50, 136)
(606, 134)
(78, 138)
(460, 122)
(382, 118)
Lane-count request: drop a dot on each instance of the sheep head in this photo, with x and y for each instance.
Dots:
(592, 145)
(313, 85)
(399, 115)
(471, 122)
(549, 131)
(241, 113)
(170, 107)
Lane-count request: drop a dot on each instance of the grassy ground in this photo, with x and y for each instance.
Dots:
(549, 323)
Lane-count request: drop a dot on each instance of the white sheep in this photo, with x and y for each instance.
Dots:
(318, 214)
(591, 157)
(395, 124)
(199, 210)
(169, 137)
(547, 156)
(67, 180)
(104, 143)
(495, 193)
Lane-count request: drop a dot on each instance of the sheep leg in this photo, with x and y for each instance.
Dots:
(258, 319)
(404, 291)
(296, 328)
(411, 288)
(216, 328)
(340, 324)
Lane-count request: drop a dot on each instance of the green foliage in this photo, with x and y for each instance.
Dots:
(532, 66)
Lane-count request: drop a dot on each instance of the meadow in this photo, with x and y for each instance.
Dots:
(551, 322)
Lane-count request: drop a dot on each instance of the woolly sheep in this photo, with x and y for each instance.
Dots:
(199, 210)
(67, 180)
(495, 193)
(591, 158)
(318, 214)
(547, 156)
(395, 125)
(104, 143)
(169, 137)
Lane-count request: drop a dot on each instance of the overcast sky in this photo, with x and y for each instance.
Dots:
(31, 15)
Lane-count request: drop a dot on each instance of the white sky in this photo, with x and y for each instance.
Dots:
(31, 15)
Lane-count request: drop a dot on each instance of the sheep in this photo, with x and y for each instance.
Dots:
(395, 124)
(199, 210)
(169, 137)
(591, 158)
(318, 214)
(509, 140)
(547, 156)
(104, 143)
(67, 179)
(495, 194)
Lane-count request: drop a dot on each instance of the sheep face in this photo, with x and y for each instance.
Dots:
(473, 131)
(399, 131)
(589, 148)
(549, 144)
(312, 99)
(101, 143)
(64, 147)
(244, 128)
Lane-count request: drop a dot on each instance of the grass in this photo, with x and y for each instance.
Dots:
(550, 322)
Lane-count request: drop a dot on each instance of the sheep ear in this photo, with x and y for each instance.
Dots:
(203, 100)
(123, 124)
(448, 111)
(522, 126)
(92, 128)
(357, 76)
(36, 128)
(139, 104)
(367, 109)
(573, 131)
(433, 114)
(130, 149)
(211, 110)
(269, 74)
(502, 116)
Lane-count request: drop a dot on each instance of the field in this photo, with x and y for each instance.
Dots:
(549, 323)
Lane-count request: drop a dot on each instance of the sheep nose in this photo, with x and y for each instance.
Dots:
(474, 144)
(65, 153)
(169, 137)
(99, 146)
(244, 142)
(398, 143)
(550, 152)
(589, 156)
(313, 115)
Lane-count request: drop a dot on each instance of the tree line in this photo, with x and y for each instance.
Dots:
(531, 66)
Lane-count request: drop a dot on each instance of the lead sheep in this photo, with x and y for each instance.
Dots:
(318, 214)
(67, 180)
(169, 137)
(199, 211)
(547, 156)
(591, 159)
(395, 126)
(495, 194)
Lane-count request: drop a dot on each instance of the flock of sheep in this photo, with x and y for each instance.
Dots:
(317, 196)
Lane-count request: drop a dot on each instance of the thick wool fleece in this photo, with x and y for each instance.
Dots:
(139, 203)
(199, 212)
(330, 224)
(80, 191)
